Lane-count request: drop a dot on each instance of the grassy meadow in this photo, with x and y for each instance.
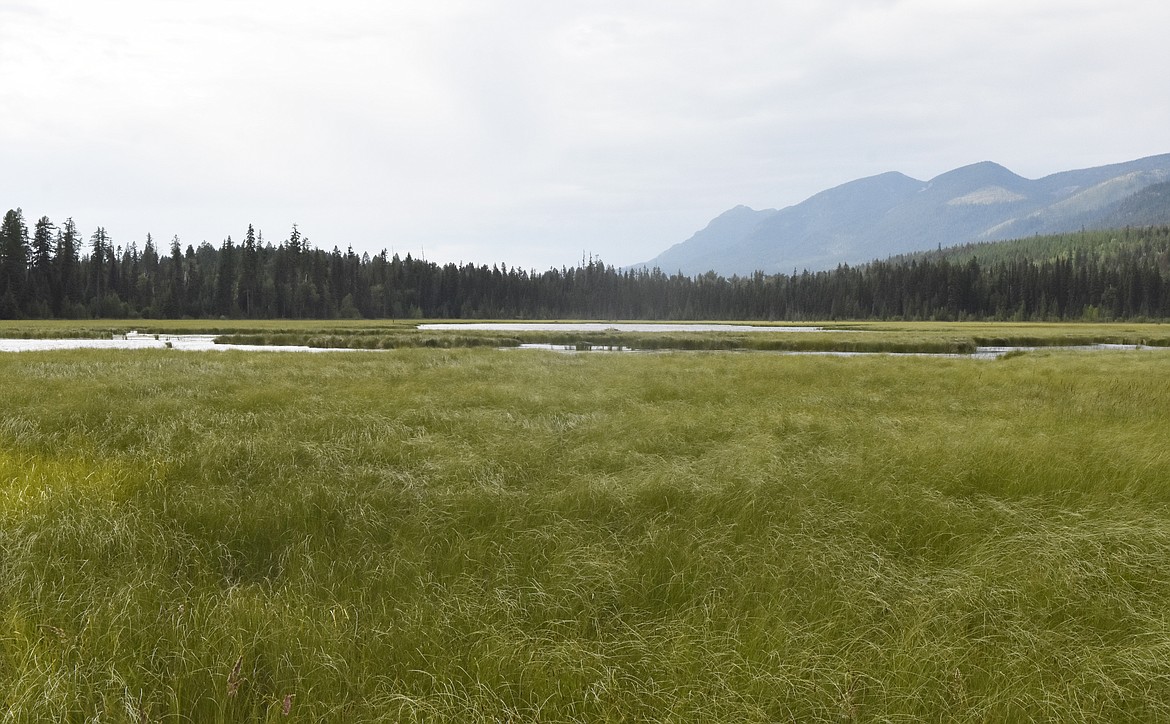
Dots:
(475, 535)
(863, 337)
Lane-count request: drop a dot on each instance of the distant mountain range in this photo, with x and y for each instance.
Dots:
(875, 217)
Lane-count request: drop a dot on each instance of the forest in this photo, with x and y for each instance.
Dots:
(57, 272)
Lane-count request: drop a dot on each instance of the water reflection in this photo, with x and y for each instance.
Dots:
(133, 340)
(205, 342)
(606, 327)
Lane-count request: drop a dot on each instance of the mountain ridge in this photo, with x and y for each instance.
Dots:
(891, 213)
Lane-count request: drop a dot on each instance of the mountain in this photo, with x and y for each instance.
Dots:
(891, 213)
(1145, 208)
(723, 232)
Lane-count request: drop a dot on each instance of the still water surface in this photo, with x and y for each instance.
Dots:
(607, 327)
(189, 342)
(204, 342)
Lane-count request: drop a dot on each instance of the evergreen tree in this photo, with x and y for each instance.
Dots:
(147, 279)
(100, 256)
(41, 272)
(14, 254)
(1093, 275)
(176, 289)
(68, 273)
(225, 280)
(249, 289)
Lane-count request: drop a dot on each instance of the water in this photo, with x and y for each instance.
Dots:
(994, 352)
(979, 353)
(204, 342)
(133, 340)
(577, 348)
(606, 327)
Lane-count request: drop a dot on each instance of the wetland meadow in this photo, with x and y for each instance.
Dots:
(445, 530)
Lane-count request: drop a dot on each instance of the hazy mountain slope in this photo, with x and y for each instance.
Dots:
(1148, 207)
(1113, 244)
(825, 225)
(1083, 205)
(957, 205)
(725, 231)
(892, 213)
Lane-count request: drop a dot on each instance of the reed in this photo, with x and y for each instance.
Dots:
(485, 535)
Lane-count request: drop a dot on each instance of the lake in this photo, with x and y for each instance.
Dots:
(205, 342)
(608, 327)
(133, 340)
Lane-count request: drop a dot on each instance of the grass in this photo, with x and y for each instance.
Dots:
(586, 341)
(1028, 334)
(892, 337)
(934, 338)
(484, 535)
(90, 328)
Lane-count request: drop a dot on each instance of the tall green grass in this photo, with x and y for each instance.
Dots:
(889, 337)
(934, 338)
(482, 535)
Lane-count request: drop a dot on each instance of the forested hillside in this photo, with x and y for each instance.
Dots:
(57, 272)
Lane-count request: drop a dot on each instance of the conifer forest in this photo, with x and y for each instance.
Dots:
(56, 271)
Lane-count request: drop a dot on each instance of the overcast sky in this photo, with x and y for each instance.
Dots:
(533, 132)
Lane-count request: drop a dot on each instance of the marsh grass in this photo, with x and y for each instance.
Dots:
(375, 339)
(476, 535)
(892, 337)
(874, 337)
(585, 341)
(91, 328)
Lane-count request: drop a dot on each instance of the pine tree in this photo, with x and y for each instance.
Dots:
(175, 282)
(225, 280)
(41, 272)
(146, 283)
(68, 273)
(99, 257)
(14, 254)
(249, 291)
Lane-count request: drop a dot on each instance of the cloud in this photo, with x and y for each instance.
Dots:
(529, 131)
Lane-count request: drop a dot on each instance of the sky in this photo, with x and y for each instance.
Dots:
(533, 133)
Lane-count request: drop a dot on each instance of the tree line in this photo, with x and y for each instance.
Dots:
(57, 272)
